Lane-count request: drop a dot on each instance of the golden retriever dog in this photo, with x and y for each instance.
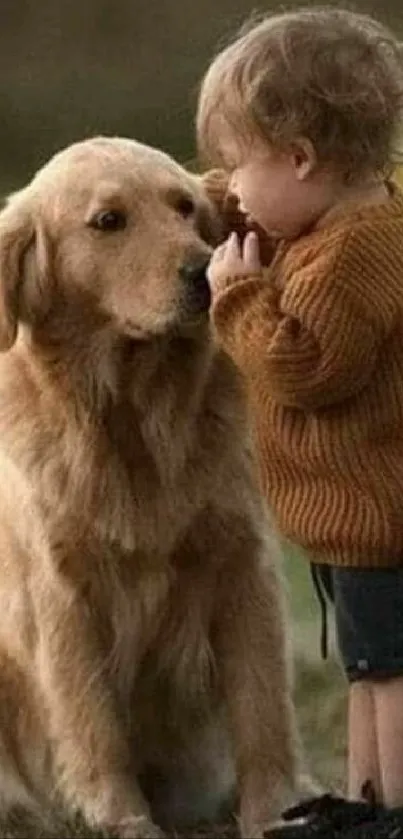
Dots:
(143, 666)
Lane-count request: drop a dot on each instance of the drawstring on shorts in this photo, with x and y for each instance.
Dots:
(318, 586)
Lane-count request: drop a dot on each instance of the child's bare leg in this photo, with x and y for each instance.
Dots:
(369, 620)
(388, 702)
(363, 758)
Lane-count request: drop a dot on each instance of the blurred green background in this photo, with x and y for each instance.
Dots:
(73, 68)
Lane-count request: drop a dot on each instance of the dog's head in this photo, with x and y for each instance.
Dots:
(116, 225)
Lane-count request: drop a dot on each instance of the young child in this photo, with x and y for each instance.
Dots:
(302, 111)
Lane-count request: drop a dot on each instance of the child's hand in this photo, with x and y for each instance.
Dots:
(231, 262)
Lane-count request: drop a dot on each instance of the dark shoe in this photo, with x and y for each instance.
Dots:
(387, 825)
(325, 817)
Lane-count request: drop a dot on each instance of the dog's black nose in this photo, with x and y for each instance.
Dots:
(194, 273)
(197, 289)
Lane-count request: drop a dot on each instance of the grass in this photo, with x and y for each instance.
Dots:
(320, 698)
(320, 686)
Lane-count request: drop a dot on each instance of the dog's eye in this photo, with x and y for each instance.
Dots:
(185, 206)
(108, 221)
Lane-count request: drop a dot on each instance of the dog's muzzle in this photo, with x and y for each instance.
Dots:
(196, 288)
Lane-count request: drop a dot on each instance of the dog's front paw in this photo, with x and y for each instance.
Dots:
(259, 814)
(139, 827)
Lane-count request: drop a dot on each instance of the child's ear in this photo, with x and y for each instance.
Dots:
(304, 158)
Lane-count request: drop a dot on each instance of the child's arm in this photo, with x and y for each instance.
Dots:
(316, 342)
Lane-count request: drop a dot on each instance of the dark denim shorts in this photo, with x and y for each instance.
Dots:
(368, 604)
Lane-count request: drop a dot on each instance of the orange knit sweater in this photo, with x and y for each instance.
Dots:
(318, 336)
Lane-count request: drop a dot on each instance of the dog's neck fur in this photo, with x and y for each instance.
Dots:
(137, 416)
(93, 371)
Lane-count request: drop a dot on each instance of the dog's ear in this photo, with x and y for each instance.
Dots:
(227, 216)
(23, 265)
(216, 184)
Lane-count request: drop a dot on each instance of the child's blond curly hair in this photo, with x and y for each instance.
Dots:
(326, 74)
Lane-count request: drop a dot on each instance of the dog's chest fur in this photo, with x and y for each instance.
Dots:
(117, 498)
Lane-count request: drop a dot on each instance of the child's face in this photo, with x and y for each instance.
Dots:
(285, 192)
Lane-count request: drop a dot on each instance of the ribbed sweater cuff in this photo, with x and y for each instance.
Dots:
(240, 313)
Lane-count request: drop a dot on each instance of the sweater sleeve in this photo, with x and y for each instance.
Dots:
(316, 342)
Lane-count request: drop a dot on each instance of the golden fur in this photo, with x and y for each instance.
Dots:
(143, 666)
